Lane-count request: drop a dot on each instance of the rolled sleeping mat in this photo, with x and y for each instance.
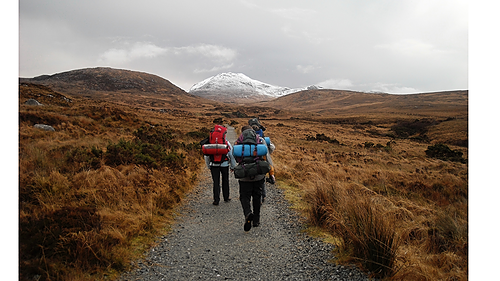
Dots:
(268, 140)
(215, 149)
(245, 150)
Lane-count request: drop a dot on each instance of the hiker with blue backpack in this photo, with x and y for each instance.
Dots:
(259, 129)
(219, 159)
(250, 151)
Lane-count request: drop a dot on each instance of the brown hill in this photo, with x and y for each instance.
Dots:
(327, 102)
(123, 86)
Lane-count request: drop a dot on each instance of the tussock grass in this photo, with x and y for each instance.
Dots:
(365, 230)
(393, 210)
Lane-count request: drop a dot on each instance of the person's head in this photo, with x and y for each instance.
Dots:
(246, 127)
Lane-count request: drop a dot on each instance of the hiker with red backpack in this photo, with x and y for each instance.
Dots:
(250, 151)
(219, 160)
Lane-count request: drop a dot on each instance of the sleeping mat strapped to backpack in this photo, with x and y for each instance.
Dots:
(243, 150)
(249, 152)
(217, 147)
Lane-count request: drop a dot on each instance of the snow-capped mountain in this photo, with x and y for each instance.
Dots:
(237, 87)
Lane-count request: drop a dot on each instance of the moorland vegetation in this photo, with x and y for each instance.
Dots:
(390, 190)
(396, 206)
(94, 192)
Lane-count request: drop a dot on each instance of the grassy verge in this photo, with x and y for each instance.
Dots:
(389, 207)
(95, 192)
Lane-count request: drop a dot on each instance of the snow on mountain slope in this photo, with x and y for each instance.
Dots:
(238, 86)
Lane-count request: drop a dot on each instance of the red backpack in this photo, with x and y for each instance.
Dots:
(217, 147)
(218, 135)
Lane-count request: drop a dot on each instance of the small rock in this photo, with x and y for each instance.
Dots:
(44, 127)
(32, 102)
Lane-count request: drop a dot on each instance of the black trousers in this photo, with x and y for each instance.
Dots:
(251, 191)
(216, 176)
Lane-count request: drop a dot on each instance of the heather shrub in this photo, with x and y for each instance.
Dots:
(322, 137)
(121, 153)
(218, 120)
(140, 153)
(443, 152)
(152, 146)
(406, 129)
(82, 158)
(197, 134)
(369, 144)
(157, 135)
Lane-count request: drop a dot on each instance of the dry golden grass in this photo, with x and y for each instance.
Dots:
(394, 211)
(391, 209)
(80, 217)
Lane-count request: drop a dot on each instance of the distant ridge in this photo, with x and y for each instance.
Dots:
(106, 79)
(116, 85)
(342, 101)
(149, 91)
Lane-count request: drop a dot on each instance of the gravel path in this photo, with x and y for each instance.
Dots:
(208, 242)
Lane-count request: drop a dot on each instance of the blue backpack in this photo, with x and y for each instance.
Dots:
(248, 152)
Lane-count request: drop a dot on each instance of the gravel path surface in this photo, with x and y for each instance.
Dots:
(208, 242)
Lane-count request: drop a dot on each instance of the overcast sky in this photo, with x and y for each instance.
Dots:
(395, 46)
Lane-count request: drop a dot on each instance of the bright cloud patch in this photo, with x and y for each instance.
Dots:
(409, 47)
(392, 89)
(213, 52)
(336, 84)
(114, 56)
(145, 50)
(136, 51)
(305, 68)
(207, 58)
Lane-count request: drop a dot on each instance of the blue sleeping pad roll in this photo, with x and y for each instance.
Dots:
(245, 150)
(268, 140)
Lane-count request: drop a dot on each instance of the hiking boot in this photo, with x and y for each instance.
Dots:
(256, 220)
(248, 222)
(216, 203)
(227, 200)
